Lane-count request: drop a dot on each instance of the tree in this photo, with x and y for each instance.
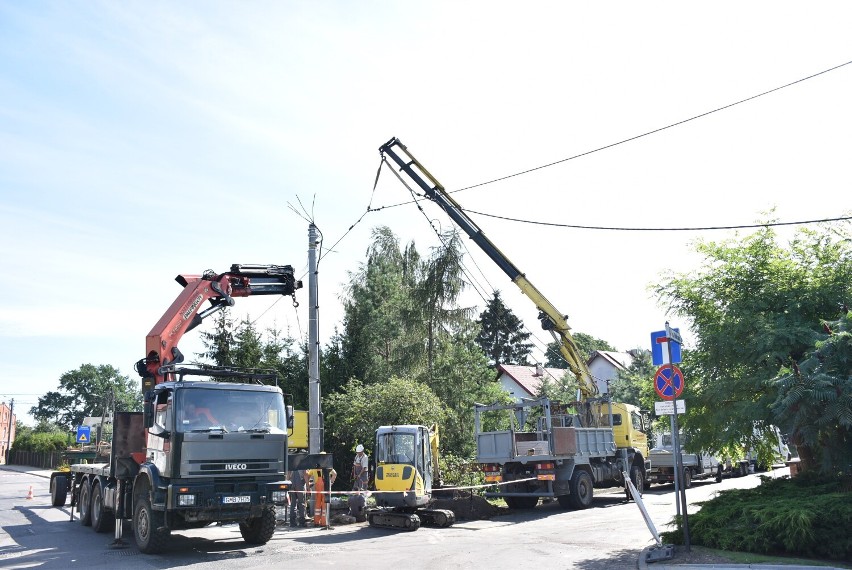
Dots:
(86, 392)
(814, 401)
(754, 308)
(635, 385)
(439, 290)
(220, 342)
(502, 336)
(461, 376)
(354, 413)
(383, 327)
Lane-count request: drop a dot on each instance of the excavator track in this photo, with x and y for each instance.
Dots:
(393, 519)
(440, 518)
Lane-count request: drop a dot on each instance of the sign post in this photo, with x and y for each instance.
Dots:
(673, 336)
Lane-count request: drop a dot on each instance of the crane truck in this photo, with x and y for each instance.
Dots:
(406, 470)
(546, 450)
(211, 442)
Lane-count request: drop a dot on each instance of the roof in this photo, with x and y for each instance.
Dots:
(619, 360)
(527, 377)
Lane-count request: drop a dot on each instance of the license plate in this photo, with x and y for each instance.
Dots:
(230, 500)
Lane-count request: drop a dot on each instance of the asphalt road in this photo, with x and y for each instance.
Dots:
(611, 534)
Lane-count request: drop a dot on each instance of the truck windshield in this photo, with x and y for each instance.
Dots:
(205, 409)
(395, 448)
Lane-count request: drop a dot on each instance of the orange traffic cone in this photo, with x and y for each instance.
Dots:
(30, 492)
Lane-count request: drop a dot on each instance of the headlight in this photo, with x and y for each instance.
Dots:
(279, 496)
(186, 500)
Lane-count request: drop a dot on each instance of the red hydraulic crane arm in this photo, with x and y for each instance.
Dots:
(185, 312)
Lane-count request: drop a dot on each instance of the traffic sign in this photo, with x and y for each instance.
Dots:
(668, 382)
(673, 334)
(667, 407)
(84, 434)
(660, 348)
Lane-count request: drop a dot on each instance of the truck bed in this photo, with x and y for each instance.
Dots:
(566, 442)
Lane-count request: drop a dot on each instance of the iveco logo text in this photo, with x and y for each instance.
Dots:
(235, 466)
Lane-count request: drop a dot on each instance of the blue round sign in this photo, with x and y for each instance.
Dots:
(668, 382)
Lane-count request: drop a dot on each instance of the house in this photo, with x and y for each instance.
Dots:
(605, 366)
(523, 381)
(7, 429)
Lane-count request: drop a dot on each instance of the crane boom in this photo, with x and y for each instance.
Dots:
(183, 315)
(551, 319)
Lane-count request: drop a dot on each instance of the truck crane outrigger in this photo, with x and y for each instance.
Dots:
(564, 455)
(170, 469)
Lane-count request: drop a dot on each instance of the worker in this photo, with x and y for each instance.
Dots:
(299, 479)
(319, 494)
(360, 469)
(198, 416)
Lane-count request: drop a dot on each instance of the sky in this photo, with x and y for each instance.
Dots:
(142, 140)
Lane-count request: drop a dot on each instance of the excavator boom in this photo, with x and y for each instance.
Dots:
(551, 319)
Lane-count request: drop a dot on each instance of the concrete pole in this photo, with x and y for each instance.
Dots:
(315, 433)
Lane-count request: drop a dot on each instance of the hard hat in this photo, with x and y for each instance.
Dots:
(359, 448)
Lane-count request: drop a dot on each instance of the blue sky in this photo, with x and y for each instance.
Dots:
(140, 140)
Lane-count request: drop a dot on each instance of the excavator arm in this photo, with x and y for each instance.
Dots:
(551, 319)
(186, 313)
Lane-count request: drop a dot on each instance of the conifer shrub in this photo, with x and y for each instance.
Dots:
(808, 516)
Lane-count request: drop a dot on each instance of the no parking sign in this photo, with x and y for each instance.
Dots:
(668, 382)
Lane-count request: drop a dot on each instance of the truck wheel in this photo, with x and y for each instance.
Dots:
(582, 490)
(103, 520)
(151, 538)
(259, 530)
(637, 477)
(58, 490)
(84, 505)
(687, 478)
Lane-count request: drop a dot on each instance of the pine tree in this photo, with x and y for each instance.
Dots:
(501, 335)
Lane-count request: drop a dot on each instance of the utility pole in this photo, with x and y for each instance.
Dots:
(315, 420)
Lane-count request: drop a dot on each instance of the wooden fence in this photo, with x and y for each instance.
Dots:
(40, 459)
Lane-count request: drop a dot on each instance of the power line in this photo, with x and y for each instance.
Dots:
(633, 138)
(684, 229)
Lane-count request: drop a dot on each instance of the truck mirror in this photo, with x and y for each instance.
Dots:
(290, 421)
(148, 414)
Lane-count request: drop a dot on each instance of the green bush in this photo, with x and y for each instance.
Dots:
(40, 441)
(807, 516)
(458, 472)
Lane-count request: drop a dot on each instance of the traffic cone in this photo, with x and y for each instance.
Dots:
(30, 493)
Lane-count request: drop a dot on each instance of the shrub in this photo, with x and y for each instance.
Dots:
(808, 516)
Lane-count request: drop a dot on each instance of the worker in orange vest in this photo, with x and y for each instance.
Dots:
(319, 494)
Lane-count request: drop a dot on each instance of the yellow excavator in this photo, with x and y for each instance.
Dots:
(406, 469)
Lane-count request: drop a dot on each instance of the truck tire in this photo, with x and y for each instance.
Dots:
(58, 490)
(103, 520)
(148, 530)
(637, 477)
(259, 530)
(687, 478)
(84, 504)
(582, 490)
(521, 502)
